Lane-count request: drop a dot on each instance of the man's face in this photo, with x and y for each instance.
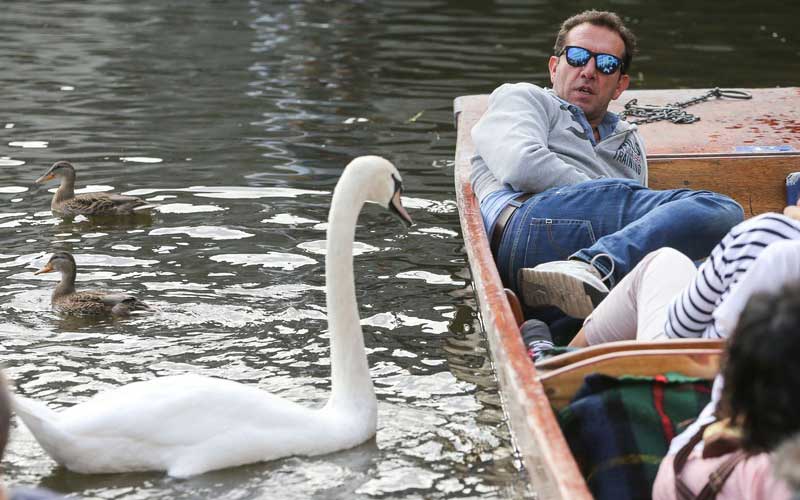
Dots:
(585, 86)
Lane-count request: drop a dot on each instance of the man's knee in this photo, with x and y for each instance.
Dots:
(726, 207)
(722, 212)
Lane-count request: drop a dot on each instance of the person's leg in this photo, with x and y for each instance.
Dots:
(692, 222)
(617, 217)
(637, 307)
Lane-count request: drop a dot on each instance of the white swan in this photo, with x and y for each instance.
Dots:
(190, 424)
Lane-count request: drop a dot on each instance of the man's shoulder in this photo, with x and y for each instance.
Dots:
(514, 95)
(523, 89)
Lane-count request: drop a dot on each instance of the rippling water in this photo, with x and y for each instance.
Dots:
(237, 118)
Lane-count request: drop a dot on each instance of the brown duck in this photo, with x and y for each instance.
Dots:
(66, 202)
(67, 300)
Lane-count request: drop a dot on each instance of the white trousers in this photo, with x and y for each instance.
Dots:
(637, 308)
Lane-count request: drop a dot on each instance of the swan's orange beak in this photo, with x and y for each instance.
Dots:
(46, 177)
(48, 268)
(396, 206)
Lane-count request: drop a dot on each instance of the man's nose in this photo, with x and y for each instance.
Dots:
(589, 70)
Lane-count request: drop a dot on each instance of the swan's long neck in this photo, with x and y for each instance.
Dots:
(66, 190)
(351, 382)
(67, 284)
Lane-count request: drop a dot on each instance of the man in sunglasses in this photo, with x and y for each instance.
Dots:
(561, 180)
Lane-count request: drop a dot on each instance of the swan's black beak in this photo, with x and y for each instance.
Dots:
(396, 205)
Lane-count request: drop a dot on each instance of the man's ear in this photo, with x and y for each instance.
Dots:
(622, 84)
(552, 64)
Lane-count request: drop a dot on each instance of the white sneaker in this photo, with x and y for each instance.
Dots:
(573, 286)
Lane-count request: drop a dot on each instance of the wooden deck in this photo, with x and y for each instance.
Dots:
(741, 148)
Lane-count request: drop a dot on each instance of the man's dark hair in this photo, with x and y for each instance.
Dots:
(762, 369)
(599, 18)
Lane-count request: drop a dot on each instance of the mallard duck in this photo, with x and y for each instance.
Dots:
(90, 302)
(66, 202)
(190, 424)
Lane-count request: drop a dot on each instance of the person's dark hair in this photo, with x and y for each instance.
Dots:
(599, 18)
(762, 369)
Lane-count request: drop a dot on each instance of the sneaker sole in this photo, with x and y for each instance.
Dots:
(573, 296)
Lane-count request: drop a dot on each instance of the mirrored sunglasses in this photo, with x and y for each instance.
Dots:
(578, 56)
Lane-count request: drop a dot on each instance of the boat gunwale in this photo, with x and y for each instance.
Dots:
(552, 468)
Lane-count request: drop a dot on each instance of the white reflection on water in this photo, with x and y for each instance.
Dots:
(186, 208)
(28, 144)
(409, 386)
(232, 192)
(8, 162)
(390, 321)
(437, 207)
(319, 247)
(140, 159)
(288, 219)
(279, 260)
(394, 478)
(206, 232)
(430, 278)
(436, 231)
(90, 188)
(277, 292)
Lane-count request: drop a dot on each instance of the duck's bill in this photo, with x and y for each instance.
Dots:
(46, 269)
(46, 177)
(396, 206)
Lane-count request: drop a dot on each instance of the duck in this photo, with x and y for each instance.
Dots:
(65, 202)
(189, 424)
(67, 300)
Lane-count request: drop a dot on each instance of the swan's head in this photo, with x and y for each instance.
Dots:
(380, 182)
(59, 261)
(59, 169)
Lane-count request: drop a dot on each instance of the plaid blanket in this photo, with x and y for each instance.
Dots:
(619, 429)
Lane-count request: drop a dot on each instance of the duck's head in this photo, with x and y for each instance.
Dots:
(381, 182)
(59, 169)
(59, 261)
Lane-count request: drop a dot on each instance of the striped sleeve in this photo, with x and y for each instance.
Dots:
(690, 314)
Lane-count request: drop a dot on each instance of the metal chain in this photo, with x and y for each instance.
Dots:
(674, 112)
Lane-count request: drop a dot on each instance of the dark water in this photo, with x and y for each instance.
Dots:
(237, 117)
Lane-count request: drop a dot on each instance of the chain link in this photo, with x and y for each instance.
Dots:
(674, 112)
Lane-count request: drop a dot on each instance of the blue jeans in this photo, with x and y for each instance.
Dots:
(617, 217)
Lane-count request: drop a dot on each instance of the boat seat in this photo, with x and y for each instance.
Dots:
(568, 358)
(561, 384)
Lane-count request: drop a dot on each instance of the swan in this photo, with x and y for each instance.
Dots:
(190, 424)
(67, 203)
(67, 300)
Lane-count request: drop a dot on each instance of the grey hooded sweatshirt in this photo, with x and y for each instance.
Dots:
(529, 141)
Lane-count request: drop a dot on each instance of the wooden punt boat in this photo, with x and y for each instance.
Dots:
(743, 148)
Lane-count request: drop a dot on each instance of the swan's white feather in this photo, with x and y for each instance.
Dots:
(184, 424)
